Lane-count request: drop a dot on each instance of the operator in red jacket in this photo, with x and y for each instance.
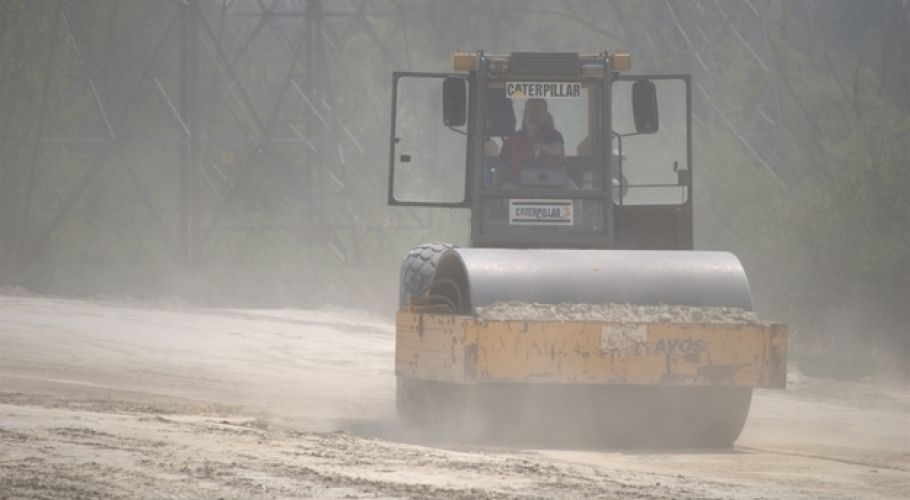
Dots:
(537, 145)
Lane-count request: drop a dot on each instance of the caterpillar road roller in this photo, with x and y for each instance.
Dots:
(579, 179)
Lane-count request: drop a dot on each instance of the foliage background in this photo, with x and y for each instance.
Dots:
(824, 233)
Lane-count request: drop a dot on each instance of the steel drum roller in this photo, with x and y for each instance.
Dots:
(478, 277)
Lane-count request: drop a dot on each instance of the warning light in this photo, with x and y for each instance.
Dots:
(463, 61)
(620, 61)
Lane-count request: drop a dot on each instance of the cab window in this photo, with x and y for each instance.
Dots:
(539, 135)
(654, 166)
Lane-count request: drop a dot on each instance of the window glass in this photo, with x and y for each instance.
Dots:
(654, 166)
(429, 157)
(539, 135)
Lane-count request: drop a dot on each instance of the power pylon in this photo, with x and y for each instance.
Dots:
(239, 97)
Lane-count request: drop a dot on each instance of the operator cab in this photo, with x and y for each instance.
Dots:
(528, 142)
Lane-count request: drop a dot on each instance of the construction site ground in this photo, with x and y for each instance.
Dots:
(107, 399)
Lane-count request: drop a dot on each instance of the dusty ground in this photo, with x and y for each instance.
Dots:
(127, 400)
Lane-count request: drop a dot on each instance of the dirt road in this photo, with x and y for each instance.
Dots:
(129, 400)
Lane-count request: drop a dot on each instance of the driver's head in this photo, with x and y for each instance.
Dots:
(535, 115)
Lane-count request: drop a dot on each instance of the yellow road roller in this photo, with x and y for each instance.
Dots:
(580, 306)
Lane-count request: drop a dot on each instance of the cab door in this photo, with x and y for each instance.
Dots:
(654, 211)
(428, 162)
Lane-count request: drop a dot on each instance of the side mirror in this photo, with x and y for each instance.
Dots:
(454, 102)
(644, 106)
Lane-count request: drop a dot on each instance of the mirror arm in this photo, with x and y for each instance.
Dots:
(453, 129)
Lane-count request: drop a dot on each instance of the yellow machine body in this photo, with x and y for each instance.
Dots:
(470, 350)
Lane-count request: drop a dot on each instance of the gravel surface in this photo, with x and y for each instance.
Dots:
(628, 313)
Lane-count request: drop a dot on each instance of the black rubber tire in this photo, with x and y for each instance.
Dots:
(417, 270)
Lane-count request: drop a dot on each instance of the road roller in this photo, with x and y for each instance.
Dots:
(579, 179)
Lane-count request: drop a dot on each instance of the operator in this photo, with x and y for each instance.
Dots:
(538, 144)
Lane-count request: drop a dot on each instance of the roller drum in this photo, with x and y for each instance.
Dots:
(467, 278)
(478, 277)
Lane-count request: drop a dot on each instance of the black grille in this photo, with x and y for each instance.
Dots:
(544, 62)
